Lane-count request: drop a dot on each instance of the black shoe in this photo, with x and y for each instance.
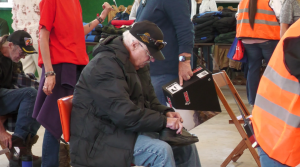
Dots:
(170, 136)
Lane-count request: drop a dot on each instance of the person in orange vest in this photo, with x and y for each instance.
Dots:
(276, 113)
(259, 30)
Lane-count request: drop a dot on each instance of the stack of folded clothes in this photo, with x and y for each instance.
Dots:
(203, 26)
(209, 25)
(204, 30)
(111, 30)
(226, 37)
(226, 27)
(95, 34)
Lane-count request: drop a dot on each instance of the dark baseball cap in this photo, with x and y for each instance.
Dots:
(151, 35)
(24, 40)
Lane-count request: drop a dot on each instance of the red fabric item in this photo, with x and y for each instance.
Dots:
(64, 21)
(122, 22)
(239, 52)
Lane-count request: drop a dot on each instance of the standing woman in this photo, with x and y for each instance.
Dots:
(62, 56)
(290, 13)
(259, 30)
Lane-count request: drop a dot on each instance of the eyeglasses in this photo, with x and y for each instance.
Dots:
(150, 57)
(158, 43)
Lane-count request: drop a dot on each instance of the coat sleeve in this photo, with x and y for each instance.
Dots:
(149, 92)
(109, 91)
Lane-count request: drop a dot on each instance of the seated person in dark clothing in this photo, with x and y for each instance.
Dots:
(116, 114)
(17, 101)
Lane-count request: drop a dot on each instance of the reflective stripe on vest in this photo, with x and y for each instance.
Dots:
(276, 113)
(258, 11)
(271, 23)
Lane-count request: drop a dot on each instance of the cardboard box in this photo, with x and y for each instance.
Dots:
(198, 93)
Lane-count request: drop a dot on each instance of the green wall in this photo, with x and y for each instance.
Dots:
(90, 8)
(6, 15)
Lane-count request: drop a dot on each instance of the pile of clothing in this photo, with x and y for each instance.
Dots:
(218, 27)
(95, 34)
(111, 29)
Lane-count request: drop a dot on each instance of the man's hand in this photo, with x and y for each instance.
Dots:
(106, 6)
(185, 70)
(5, 138)
(49, 85)
(174, 115)
(175, 124)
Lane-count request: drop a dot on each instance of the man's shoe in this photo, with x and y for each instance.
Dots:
(64, 155)
(21, 148)
(170, 136)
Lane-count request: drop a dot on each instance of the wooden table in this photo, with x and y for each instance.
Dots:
(90, 44)
(215, 51)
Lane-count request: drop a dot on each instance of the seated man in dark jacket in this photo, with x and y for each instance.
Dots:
(17, 101)
(115, 113)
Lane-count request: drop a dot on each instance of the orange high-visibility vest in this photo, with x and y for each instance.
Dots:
(266, 25)
(276, 113)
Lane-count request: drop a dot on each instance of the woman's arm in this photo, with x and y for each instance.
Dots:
(89, 27)
(45, 52)
(283, 28)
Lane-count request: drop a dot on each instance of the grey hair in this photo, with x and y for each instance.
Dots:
(128, 38)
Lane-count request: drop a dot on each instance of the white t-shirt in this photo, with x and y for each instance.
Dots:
(207, 6)
(134, 9)
(26, 16)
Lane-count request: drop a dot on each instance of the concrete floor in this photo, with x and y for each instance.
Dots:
(217, 138)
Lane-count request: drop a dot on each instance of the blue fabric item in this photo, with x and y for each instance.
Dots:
(232, 52)
(50, 151)
(177, 28)
(255, 53)
(214, 14)
(150, 151)
(121, 16)
(266, 161)
(90, 38)
(94, 28)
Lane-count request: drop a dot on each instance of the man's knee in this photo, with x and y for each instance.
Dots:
(29, 92)
(165, 150)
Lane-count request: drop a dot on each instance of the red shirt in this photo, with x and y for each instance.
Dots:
(63, 18)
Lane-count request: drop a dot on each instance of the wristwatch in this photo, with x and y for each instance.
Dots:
(183, 58)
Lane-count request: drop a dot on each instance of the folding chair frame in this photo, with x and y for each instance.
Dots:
(221, 79)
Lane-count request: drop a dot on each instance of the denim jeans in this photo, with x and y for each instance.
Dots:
(20, 101)
(192, 157)
(150, 151)
(158, 81)
(50, 154)
(266, 161)
(257, 52)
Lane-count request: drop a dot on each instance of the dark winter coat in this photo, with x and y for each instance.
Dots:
(112, 103)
